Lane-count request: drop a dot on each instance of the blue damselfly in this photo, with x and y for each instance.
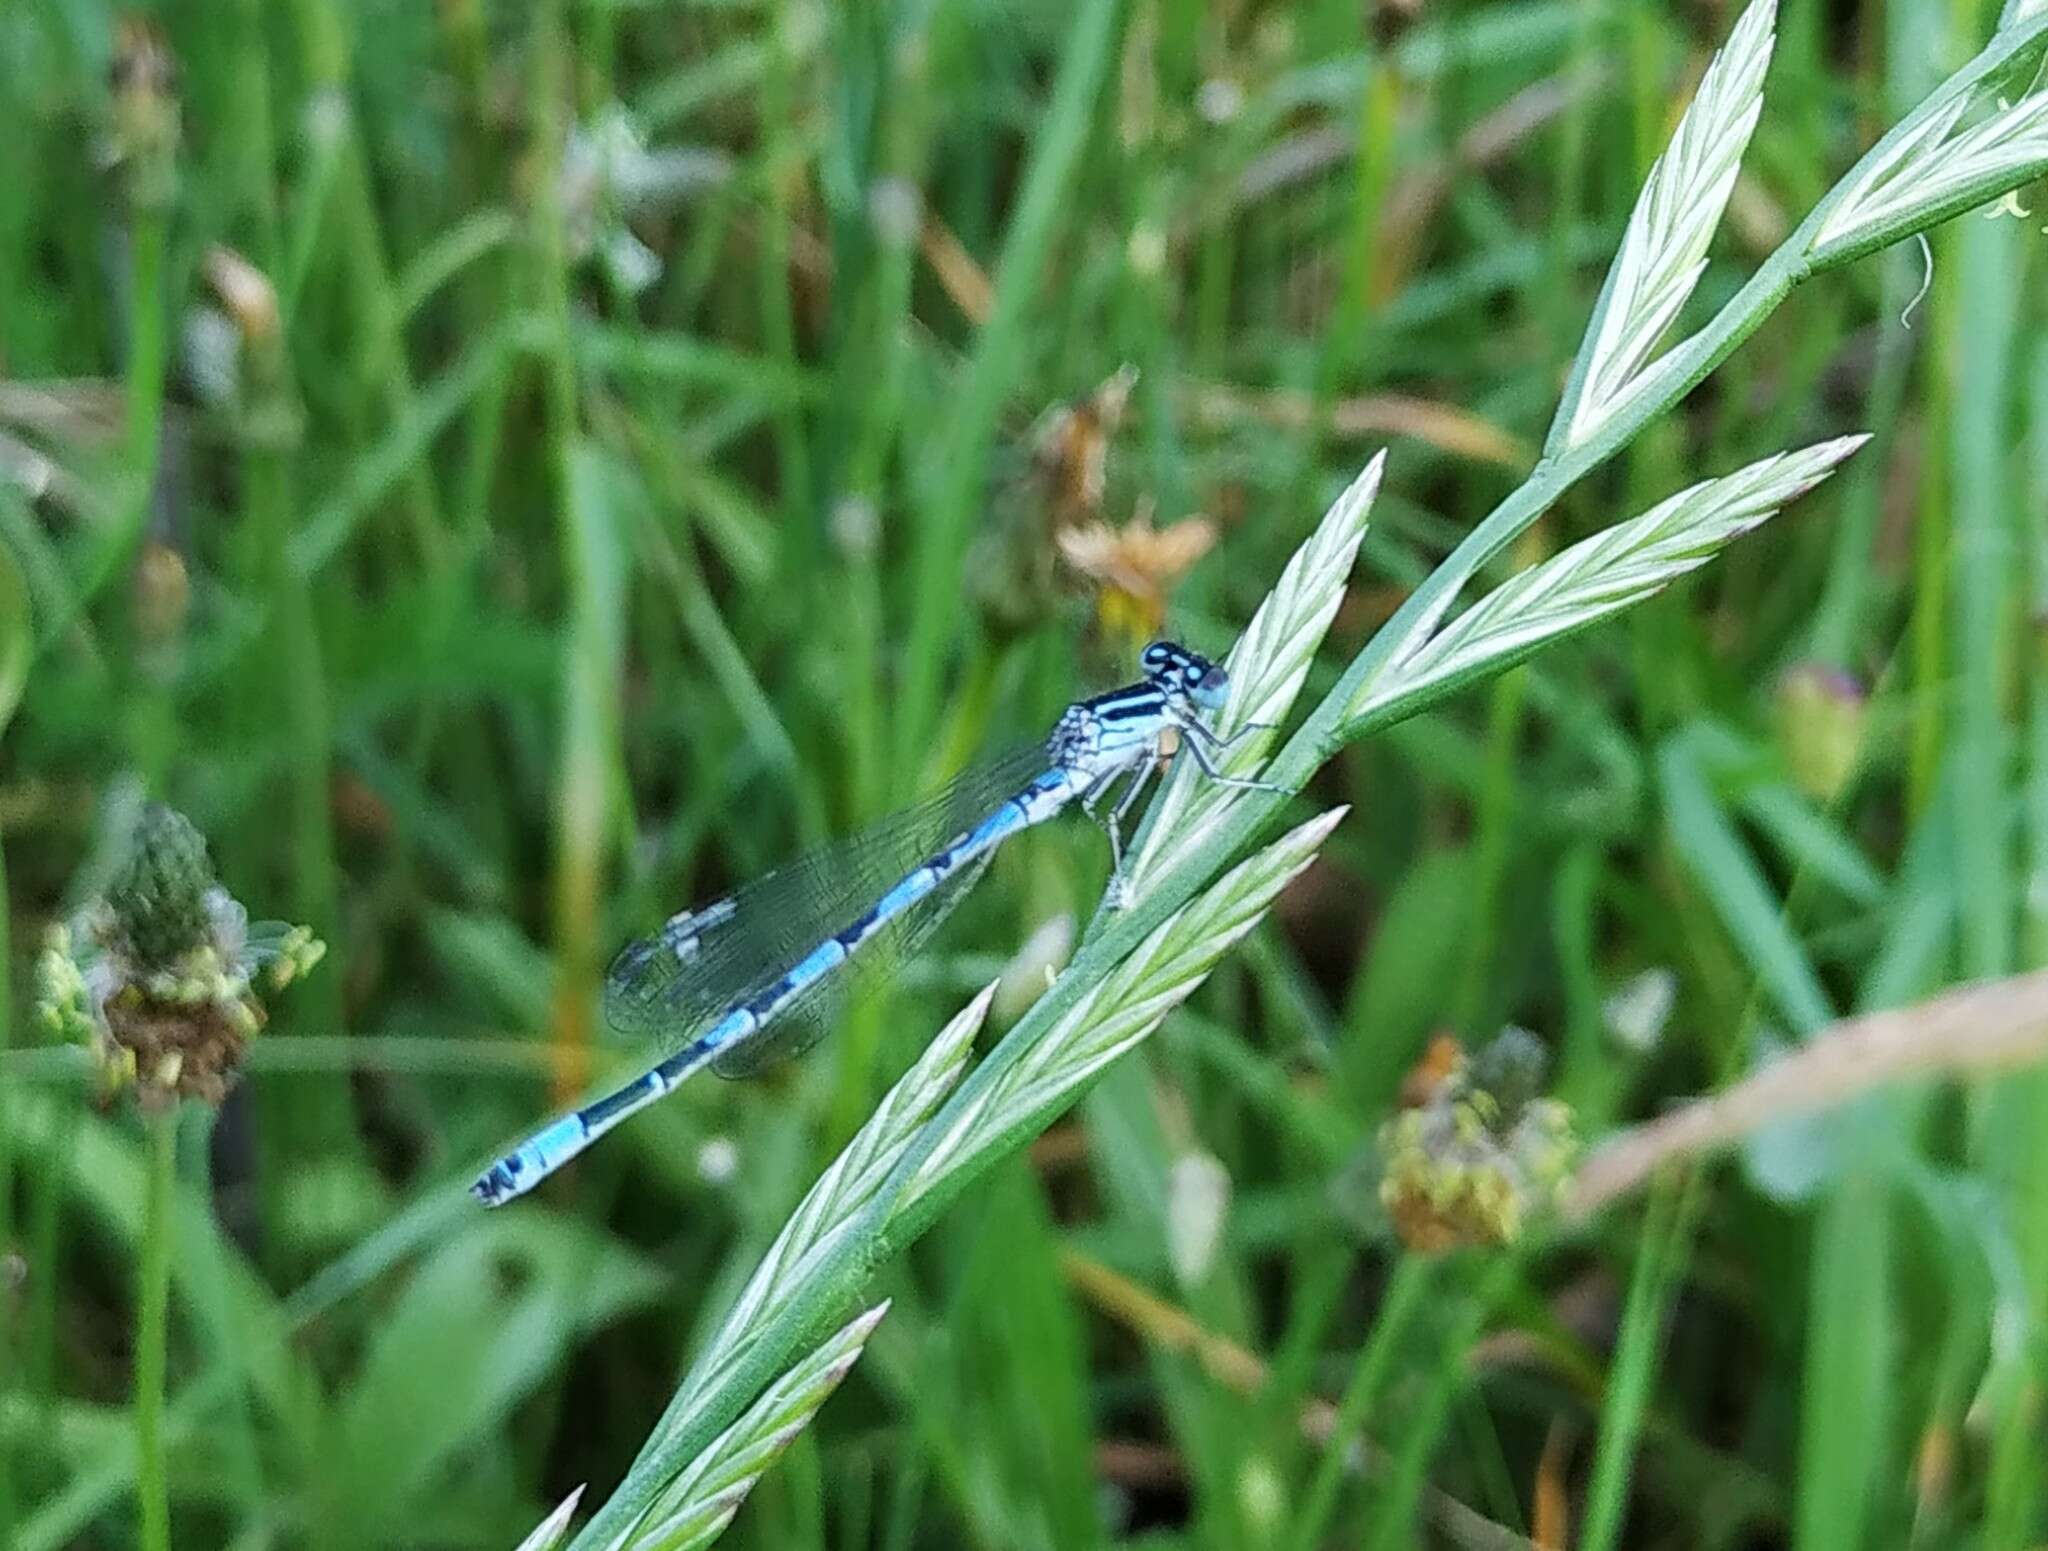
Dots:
(735, 983)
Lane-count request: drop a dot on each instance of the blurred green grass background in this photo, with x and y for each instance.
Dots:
(507, 471)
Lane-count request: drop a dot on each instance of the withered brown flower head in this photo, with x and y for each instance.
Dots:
(1070, 449)
(1136, 567)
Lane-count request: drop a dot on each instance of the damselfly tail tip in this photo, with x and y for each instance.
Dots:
(500, 1182)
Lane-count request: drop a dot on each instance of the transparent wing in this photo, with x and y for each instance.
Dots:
(811, 1016)
(702, 962)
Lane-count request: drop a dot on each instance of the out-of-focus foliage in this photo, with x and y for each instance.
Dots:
(505, 472)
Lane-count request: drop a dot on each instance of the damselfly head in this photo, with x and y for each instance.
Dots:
(1183, 674)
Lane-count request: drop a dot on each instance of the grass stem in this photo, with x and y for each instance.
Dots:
(1412, 1279)
(152, 1333)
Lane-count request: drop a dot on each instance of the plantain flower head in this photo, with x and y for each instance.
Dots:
(160, 975)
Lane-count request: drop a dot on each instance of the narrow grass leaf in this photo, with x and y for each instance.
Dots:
(468, 240)
(53, 602)
(1603, 574)
(1812, 841)
(701, 1502)
(1267, 666)
(17, 644)
(1663, 1249)
(681, 359)
(1126, 1006)
(475, 1328)
(1728, 874)
(725, 72)
(1984, 528)
(840, 1193)
(1674, 220)
(1851, 1368)
(397, 455)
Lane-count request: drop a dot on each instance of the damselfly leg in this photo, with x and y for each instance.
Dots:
(1202, 743)
(1112, 823)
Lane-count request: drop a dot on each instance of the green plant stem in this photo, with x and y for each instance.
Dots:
(1392, 1526)
(1927, 626)
(142, 407)
(43, 1231)
(143, 393)
(152, 1330)
(880, 1230)
(291, 680)
(1664, 1248)
(589, 711)
(1983, 518)
(347, 210)
(778, 310)
(10, 1353)
(143, 398)
(319, 1123)
(1413, 1278)
(1493, 819)
(1843, 613)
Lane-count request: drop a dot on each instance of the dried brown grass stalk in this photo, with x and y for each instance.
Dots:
(1972, 1032)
